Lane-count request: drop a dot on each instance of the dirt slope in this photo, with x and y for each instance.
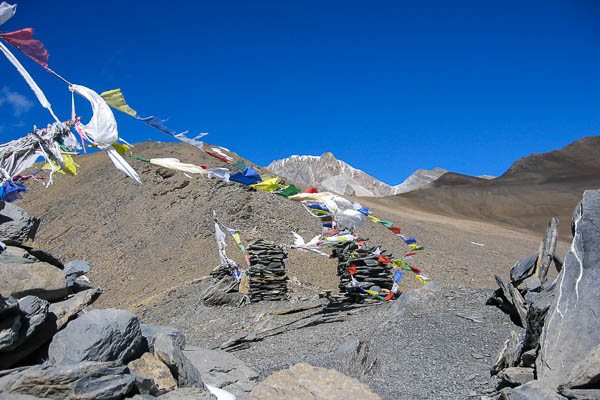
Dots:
(143, 240)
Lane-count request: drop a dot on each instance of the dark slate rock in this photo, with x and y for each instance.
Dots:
(587, 372)
(76, 268)
(8, 306)
(572, 324)
(355, 358)
(99, 335)
(536, 316)
(35, 310)
(10, 329)
(88, 380)
(509, 354)
(548, 248)
(580, 394)
(523, 268)
(16, 224)
(529, 391)
(64, 310)
(168, 351)
(151, 331)
(516, 375)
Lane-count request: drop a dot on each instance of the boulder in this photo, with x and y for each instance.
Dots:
(529, 391)
(84, 381)
(587, 372)
(38, 279)
(151, 331)
(571, 328)
(66, 309)
(16, 225)
(168, 351)
(10, 329)
(44, 256)
(580, 394)
(150, 366)
(223, 370)
(516, 375)
(99, 335)
(303, 381)
(37, 326)
(8, 306)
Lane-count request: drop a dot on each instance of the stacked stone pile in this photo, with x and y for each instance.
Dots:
(267, 278)
(371, 274)
(557, 355)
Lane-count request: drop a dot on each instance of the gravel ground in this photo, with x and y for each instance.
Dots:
(424, 349)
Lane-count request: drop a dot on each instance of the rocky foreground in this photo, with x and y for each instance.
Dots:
(436, 342)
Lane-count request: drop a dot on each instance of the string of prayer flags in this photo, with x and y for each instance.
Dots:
(24, 41)
(115, 99)
(158, 123)
(238, 240)
(415, 247)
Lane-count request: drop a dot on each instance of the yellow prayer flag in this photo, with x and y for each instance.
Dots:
(374, 219)
(237, 238)
(268, 186)
(121, 148)
(70, 165)
(115, 99)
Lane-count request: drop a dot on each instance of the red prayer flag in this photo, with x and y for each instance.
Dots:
(412, 253)
(352, 269)
(415, 269)
(395, 229)
(360, 243)
(219, 156)
(383, 259)
(311, 189)
(389, 296)
(24, 41)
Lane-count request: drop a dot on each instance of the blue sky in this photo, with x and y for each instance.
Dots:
(388, 87)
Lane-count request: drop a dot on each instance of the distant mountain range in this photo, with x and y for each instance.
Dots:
(330, 174)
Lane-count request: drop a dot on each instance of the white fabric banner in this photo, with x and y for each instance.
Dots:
(7, 11)
(36, 89)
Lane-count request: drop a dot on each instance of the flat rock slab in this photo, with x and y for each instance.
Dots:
(99, 335)
(85, 381)
(188, 394)
(516, 375)
(38, 279)
(305, 382)
(572, 324)
(223, 370)
(64, 310)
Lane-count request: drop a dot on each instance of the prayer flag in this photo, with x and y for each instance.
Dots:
(374, 219)
(352, 269)
(383, 259)
(311, 189)
(410, 241)
(395, 229)
(115, 99)
(387, 224)
(398, 276)
(415, 269)
(7, 11)
(24, 41)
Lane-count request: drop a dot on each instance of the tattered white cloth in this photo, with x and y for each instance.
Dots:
(174, 163)
(102, 129)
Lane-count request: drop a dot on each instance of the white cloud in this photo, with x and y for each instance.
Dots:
(20, 104)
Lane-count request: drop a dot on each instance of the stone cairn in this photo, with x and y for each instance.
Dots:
(267, 278)
(370, 273)
(557, 353)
